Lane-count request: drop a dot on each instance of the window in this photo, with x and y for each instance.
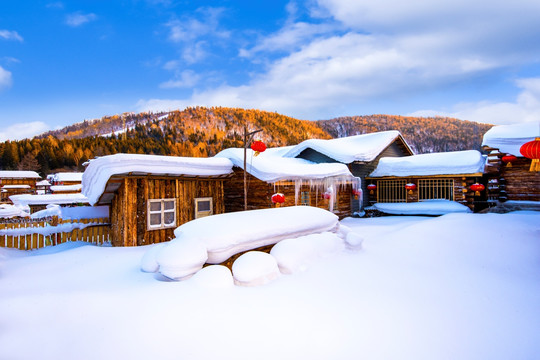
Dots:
(161, 214)
(203, 207)
(305, 199)
(389, 191)
(435, 189)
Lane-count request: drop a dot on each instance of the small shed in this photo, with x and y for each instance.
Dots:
(361, 153)
(150, 195)
(509, 175)
(435, 176)
(302, 182)
(14, 182)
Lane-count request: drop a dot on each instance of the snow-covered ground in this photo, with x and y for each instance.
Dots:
(459, 286)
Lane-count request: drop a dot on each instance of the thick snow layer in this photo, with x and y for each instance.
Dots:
(43, 183)
(181, 258)
(67, 176)
(16, 187)
(348, 149)
(227, 234)
(447, 163)
(99, 170)
(214, 277)
(459, 286)
(19, 174)
(255, 268)
(426, 207)
(58, 199)
(59, 188)
(509, 138)
(85, 212)
(9, 211)
(50, 210)
(270, 166)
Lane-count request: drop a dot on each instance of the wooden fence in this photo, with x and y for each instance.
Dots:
(41, 233)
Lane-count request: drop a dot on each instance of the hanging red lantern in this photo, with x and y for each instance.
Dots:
(509, 159)
(327, 195)
(278, 198)
(371, 188)
(357, 193)
(258, 146)
(411, 187)
(476, 187)
(531, 150)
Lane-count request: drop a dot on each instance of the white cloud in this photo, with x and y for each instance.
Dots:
(23, 130)
(184, 79)
(10, 35)
(525, 108)
(5, 78)
(78, 19)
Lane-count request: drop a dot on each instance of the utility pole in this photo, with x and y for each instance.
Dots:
(247, 138)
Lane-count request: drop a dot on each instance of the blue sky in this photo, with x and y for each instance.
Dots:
(62, 62)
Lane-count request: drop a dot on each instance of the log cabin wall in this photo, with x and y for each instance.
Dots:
(129, 206)
(521, 184)
(16, 181)
(260, 193)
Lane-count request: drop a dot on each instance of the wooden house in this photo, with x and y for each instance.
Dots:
(436, 176)
(149, 196)
(66, 183)
(301, 182)
(17, 182)
(509, 176)
(361, 153)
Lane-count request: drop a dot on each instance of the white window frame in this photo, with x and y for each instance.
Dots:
(199, 213)
(162, 213)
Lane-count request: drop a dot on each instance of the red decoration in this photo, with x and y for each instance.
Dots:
(371, 188)
(476, 187)
(357, 193)
(258, 146)
(531, 150)
(278, 198)
(411, 187)
(327, 195)
(509, 159)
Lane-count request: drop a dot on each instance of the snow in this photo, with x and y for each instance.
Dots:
(181, 259)
(19, 174)
(73, 212)
(447, 163)
(255, 268)
(9, 211)
(459, 286)
(58, 199)
(67, 176)
(224, 235)
(271, 166)
(99, 170)
(43, 183)
(16, 187)
(348, 149)
(509, 138)
(425, 207)
(55, 188)
(50, 210)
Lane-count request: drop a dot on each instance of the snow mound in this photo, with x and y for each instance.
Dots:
(353, 241)
(255, 268)
(9, 211)
(214, 277)
(181, 258)
(228, 234)
(148, 262)
(426, 207)
(510, 138)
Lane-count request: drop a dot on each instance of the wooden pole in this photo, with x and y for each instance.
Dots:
(247, 138)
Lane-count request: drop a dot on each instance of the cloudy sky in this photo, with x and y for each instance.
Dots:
(66, 61)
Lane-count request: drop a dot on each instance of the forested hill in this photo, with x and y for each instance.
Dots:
(201, 131)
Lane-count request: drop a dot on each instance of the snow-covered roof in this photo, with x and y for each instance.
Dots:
(270, 166)
(426, 207)
(59, 199)
(43, 183)
(58, 188)
(16, 187)
(509, 138)
(9, 211)
(19, 174)
(68, 176)
(99, 170)
(446, 163)
(364, 147)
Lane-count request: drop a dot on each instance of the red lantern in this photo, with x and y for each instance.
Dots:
(258, 146)
(278, 198)
(531, 150)
(327, 195)
(357, 193)
(371, 188)
(509, 159)
(476, 187)
(411, 187)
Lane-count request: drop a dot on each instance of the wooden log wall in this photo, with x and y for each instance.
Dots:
(260, 195)
(521, 184)
(129, 206)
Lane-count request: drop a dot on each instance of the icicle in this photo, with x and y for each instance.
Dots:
(297, 187)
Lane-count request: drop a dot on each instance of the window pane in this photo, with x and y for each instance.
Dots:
(169, 205)
(155, 219)
(204, 205)
(155, 206)
(169, 218)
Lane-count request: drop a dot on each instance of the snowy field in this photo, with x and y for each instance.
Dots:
(459, 286)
